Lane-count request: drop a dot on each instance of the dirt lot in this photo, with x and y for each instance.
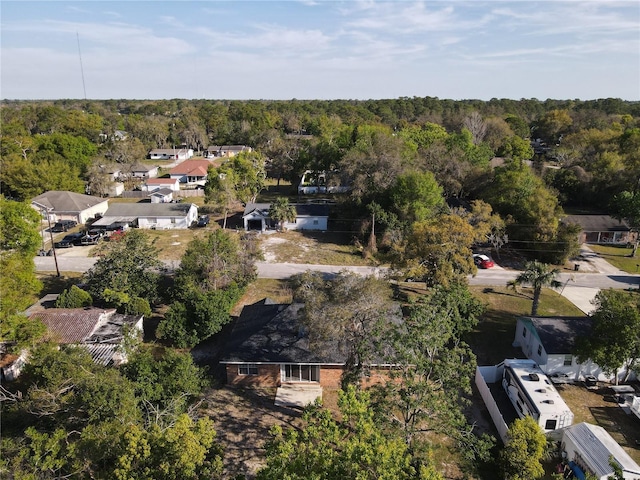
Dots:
(243, 419)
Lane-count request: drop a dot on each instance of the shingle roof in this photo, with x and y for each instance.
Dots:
(72, 325)
(63, 201)
(167, 151)
(559, 334)
(161, 181)
(597, 223)
(148, 210)
(272, 333)
(191, 167)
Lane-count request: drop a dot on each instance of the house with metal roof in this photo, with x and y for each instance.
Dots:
(63, 205)
(101, 332)
(590, 449)
(161, 216)
(309, 216)
(551, 341)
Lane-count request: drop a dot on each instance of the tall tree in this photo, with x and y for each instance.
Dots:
(19, 241)
(538, 275)
(129, 266)
(524, 450)
(352, 447)
(282, 211)
(614, 339)
(430, 383)
(416, 196)
(437, 251)
(220, 189)
(346, 313)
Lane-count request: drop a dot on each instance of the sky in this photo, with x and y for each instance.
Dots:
(318, 49)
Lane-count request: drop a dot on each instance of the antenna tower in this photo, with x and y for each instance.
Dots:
(84, 88)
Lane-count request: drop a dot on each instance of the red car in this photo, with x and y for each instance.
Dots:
(482, 261)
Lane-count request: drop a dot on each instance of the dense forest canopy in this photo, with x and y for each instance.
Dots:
(529, 159)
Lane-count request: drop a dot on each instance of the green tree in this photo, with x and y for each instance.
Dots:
(74, 297)
(626, 205)
(19, 241)
(524, 450)
(614, 339)
(437, 251)
(354, 447)
(220, 189)
(346, 313)
(129, 266)
(429, 386)
(282, 211)
(248, 175)
(416, 196)
(538, 275)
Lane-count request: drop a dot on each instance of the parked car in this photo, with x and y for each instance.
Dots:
(89, 239)
(63, 225)
(203, 220)
(559, 377)
(482, 261)
(69, 241)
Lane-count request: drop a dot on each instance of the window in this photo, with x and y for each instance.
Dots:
(248, 369)
(550, 425)
(524, 332)
(300, 373)
(539, 349)
(568, 360)
(315, 221)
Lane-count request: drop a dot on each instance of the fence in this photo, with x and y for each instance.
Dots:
(486, 375)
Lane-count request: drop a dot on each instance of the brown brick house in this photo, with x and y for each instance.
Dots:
(268, 348)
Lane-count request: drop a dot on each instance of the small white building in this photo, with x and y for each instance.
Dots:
(550, 342)
(171, 154)
(144, 171)
(153, 184)
(160, 216)
(590, 448)
(308, 217)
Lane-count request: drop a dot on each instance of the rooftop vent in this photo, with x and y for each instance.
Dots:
(534, 377)
(541, 390)
(549, 401)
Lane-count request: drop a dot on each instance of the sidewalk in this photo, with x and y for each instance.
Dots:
(580, 295)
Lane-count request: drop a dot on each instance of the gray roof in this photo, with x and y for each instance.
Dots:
(129, 210)
(161, 192)
(302, 209)
(63, 201)
(268, 333)
(559, 334)
(598, 223)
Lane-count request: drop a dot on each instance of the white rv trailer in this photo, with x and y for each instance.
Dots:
(533, 394)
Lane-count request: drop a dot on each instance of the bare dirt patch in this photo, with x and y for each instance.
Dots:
(316, 248)
(243, 419)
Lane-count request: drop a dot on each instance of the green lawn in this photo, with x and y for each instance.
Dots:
(491, 341)
(618, 257)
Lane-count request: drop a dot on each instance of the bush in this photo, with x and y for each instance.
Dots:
(74, 297)
(137, 306)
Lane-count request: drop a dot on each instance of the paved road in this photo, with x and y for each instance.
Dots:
(492, 277)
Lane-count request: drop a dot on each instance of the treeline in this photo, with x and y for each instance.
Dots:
(528, 159)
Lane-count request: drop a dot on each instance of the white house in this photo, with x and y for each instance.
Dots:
(161, 216)
(162, 195)
(63, 205)
(232, 150)
(550, 342)
(153, 184)
(144, 171)
(590, 448)
(308, 217)
(171, 154)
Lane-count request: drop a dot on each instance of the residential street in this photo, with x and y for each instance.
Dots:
(580, 288)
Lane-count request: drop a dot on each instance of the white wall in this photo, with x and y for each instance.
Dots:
(307, 223)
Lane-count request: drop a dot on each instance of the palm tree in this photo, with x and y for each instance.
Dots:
(282, 211)
(538, 275)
